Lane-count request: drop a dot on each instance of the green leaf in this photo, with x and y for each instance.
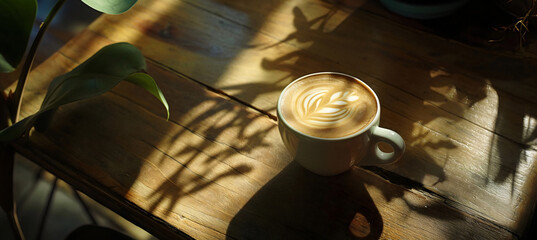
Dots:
(110, 6)
(145, 81)
(16, 20)
(97, 75)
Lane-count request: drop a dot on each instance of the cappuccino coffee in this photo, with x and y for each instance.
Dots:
(328, 105)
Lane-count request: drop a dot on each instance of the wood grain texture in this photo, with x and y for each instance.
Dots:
(218, 169)
(468, 115)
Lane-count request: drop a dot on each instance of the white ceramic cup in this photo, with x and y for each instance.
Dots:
(331, 156)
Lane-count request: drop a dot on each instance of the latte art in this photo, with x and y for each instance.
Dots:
(322, 106)
(328, 106)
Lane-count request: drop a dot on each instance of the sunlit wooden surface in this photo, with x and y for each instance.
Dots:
(218, 169)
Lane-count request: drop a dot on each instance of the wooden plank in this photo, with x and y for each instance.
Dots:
(217, 165)
(463, 122)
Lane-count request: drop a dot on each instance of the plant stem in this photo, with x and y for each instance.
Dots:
(15, 225)
(17, 95)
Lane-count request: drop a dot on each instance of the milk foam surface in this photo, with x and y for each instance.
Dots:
(328, 105)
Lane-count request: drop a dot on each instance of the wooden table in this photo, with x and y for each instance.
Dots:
(218, 169)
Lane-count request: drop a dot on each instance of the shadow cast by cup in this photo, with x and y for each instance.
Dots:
(297, 204)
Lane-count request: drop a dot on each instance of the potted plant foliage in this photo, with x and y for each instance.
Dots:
(100, 73)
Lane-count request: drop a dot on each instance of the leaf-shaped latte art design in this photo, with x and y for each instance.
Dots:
(324, 107)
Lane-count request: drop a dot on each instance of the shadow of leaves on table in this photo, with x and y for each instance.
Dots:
(209, 156)
(498, 72)
(209, 144)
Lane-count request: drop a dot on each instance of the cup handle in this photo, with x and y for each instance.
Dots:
(378, 156)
